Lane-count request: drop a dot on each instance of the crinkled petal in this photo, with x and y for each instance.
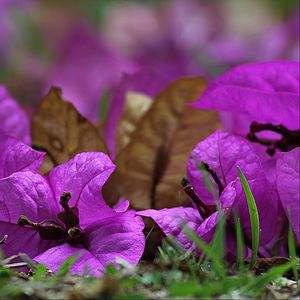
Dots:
(171, 219)
(288, 184)
(26, 193)
(13, 120)
(16, 156)
(260, 90)
(118, 236)
(22, 240)
(84, 176)
(85, 263)
(223, 153)
(121, 206)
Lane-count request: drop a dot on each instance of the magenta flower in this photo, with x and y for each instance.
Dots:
(265, 93)
(65, 214)
(16, 156)
(221, 154)
(258, 91)
(288, 184)
(13, 120)
(260, 101)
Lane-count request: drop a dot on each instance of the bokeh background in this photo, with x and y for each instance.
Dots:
(86, 46)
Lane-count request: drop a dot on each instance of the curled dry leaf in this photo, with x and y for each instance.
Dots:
(61, 131)
(151, 165)
(136, 105)
(195, 126)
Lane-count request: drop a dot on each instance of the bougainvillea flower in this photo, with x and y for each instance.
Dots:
(261, 101)
(221, 154)
(260, 91)
(16, 156)
(13, 120)
(65, 214)
(288, 186)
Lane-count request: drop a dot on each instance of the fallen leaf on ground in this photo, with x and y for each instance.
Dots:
(59, 129)
(151, 165)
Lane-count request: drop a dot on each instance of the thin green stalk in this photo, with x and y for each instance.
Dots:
(239, 242)
(254, 218)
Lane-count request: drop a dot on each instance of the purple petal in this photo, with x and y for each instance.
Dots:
(223, 153)
(118, 236)
(55, 256)
(121, 206)
(13, 120)
(171, 219)
(29, 194)
(288, 186)
(16, 156)
(84, 176)
(22, 240)
(267, 205)
(260, 90)
(26, 193)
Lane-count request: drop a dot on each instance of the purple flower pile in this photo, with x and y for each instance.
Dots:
(51, 218)
(64, 213)
(259, 104)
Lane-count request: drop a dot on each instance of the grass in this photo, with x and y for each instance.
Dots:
(254, 218)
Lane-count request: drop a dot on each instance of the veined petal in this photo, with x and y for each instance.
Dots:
(26, 193)
(13, 120)
(288, 183)
(223, 153)
(16, 156)
(55, 256)
(84, 176)
(118, 236)
(260, 90)
(171, 219)
(22, 240)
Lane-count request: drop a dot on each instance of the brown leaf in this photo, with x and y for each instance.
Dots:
(61, 131)
(262, 265)
(136, 105)
(195, 126)
(144, 161)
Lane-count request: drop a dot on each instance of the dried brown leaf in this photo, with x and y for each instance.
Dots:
(195, 126)
(136, 105)
(142, 163)
(61, 131)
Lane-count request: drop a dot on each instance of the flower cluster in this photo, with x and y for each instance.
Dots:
(54, 217)
(64, 213)
(257, 101)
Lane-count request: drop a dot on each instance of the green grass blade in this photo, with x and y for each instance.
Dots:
(104, 105)
(292, 252)
(255, 286)
(207, 250)
(65, 267)
(218, 243)
(254, 218)
(239, 242)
